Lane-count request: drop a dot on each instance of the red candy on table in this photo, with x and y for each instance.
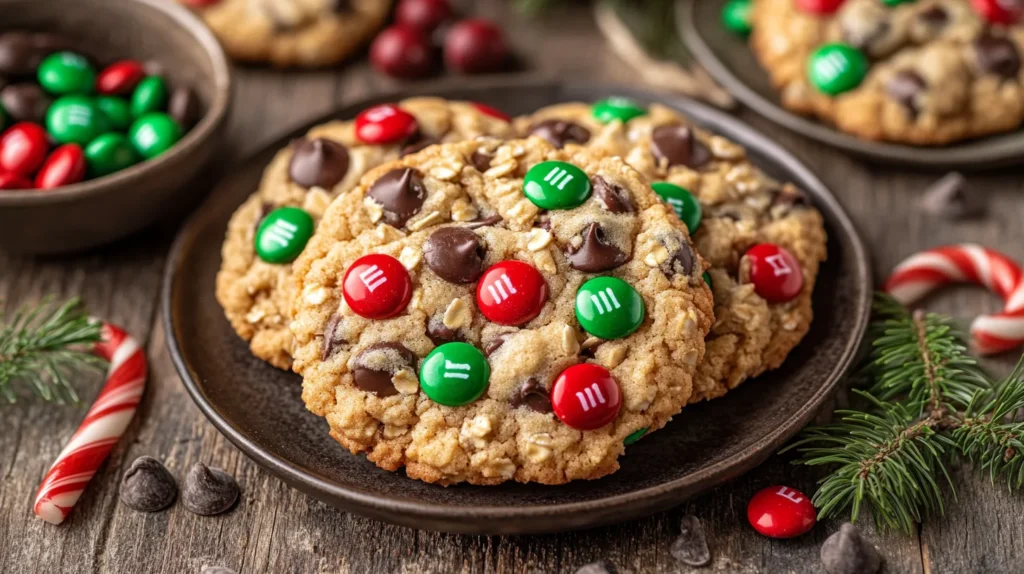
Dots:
(511, 293)
(491, 111)
(819, 6)
(403, 52)
(11, 181)
(119, 78)
(999, 11)
(475, 46)
(781, 512)
(775, 273)
(586, 397)
(385, 123)
(425, 15)
(23, 148)
(66, 165)
(377, 286)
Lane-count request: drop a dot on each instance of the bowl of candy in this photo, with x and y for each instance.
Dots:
(108, 109)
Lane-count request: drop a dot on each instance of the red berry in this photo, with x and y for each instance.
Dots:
(425, 15)
(120, 77)
(511, 293)
(819, 6)
(781, 512)
(403, 52)
(23, 148)
(475, 46)
(386, 123)
(377, 286)
(775, 273)
(586, 397)
(66, 165)
(999, 11)
(10, 180)
(489, 111)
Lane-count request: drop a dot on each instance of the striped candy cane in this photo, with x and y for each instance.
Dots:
(103, 426)
(923, 272)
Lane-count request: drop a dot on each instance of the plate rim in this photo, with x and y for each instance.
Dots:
(531, 519)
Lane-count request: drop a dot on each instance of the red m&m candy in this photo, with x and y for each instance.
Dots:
(775, 273)
(511, 293)
(781, 512)
(999, 11)
(377, 286)
(586, 397)
(119, 78)
(10, 180)
(491, 111)
(819, 6)
(23, 148)
(385, 123)
(66, 165)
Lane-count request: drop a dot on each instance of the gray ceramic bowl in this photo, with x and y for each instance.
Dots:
(95, 212)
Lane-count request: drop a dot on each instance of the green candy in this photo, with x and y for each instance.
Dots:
(3, 118)
(149, 96)
(897, 2)
(66, 73)
(116, 111)
(153, 134)
(687, 208)
(108, 153)
(616, 108)
(736, 16)
(75, 119)
(707, 280)
(556, 185)
(837, 68)
(283, 234)
(634, 436)
(454, 374)
(609, 308)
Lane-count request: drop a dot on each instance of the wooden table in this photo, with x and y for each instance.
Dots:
(277, 529)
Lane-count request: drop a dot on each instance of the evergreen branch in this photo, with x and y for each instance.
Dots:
(990, 436)
(41, 346)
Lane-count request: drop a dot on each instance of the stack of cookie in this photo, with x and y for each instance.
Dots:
(485, 300)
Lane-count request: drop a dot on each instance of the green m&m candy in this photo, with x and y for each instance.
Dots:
(149, 96)
(616, 108)
(836, 68)
(707, 280)
(736, 16)
(609, 308)
(66, 73)
(75, 119)
(108, 153)
(634, 436)
(454, 374)
(283, 234)
(153, 134)
(556, 185)
(686, 206)
(116, 110)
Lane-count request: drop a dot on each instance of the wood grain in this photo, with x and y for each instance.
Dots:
(276, 529)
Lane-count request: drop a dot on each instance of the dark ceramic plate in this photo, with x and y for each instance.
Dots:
(730, 60)
(259, 408)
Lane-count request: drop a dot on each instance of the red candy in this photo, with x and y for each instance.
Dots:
(475, 46)
(774, 272)
(425, 15)
(586, 397)
(489, 111)
(781, 512)
(511, 293)
(385, 123)
(377, 286)
(120, 77)
(403, 52)
(66, 165)
(999, 11)
(23, 148)
(819, 6)
(200, 3)
(11, 181)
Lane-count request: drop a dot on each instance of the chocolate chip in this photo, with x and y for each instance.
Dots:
(208, 491)
(147, 486)
(332, 340)
(439, 333)
(318, 162)
(560, 132)
(846, 552)
(691, 548)
(905, 87)
(341, 6)
(678, 145)
(599, 567)
(613, 197)
(997, 55)
(18, 55)
(455, 254)
(25, 102)
(183, 106)
(401, 193)
(679, 262)
(867, 35)
(481, 160)
(493, 345)
(596, 254)
(950, 198)
(376, 364)
(483, 222)
(418, 143)
(543, 221)
(934, 17)
(789, 196)
(533, 396)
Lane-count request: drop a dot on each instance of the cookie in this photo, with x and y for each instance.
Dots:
(482, 312)
(292, 33)
(927, 72)
(730, 206)
(253, 288)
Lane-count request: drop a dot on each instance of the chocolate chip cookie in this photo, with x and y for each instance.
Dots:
(763, 239)
(924, 72)
(270, 229)
(488, 311)
(292, 33)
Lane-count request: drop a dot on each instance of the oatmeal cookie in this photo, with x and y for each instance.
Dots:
(486, 311)
(730, 207)
(927, 72)
(308, 174)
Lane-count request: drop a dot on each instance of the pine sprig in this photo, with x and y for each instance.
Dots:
(43, 345)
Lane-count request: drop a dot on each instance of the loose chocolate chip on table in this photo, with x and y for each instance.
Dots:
(369, 375)
(455, 254)
(147, 486)
(846, 552)
(183, 106)
(419, 143)
(691, 548)
(611, 196)
(332, 340)
(208, 490)
(533, 395)
(596, 254)
(401, 193)
(678, 145)
(481, 160)
(483, 222)
(25, 102)
(997, 55)
(905, 86)
(599, 567)
(950, 198)
(560, 132)
(318, 162)
(439, 333)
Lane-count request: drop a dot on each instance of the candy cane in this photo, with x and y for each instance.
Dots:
(919, 274)
(103, 426)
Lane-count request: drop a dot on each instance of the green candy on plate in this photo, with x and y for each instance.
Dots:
(153, 134)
